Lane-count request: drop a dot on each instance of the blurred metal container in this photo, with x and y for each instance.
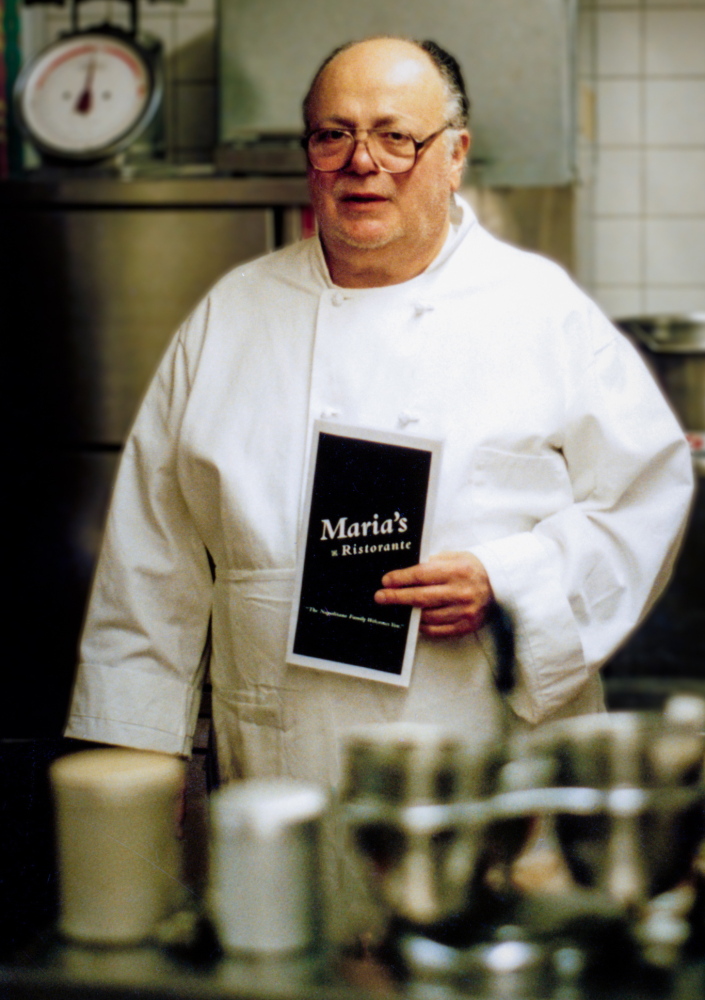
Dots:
(264, 893)
(676, 347)
(419, 804)
(638, 837)
(116, 829)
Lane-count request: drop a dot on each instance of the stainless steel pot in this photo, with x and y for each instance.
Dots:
(676, 347)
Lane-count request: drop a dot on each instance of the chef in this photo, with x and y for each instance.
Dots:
(564, 486)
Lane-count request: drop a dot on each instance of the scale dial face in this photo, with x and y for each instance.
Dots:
(85, 96)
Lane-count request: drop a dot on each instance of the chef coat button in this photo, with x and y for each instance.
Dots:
(329, 413)
(407, 418)
(338, 298)
(421, 307)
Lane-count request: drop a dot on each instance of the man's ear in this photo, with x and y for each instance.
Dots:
(461, 147)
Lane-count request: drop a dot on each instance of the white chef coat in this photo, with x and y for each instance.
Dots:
(563, 470)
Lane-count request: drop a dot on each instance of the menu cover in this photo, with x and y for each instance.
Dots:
(368, 510)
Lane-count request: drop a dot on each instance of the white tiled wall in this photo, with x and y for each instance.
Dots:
(642, 201)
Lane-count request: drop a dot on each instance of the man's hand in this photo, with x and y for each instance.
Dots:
(451, 588)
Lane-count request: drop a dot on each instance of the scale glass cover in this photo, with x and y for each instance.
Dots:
(88, 95)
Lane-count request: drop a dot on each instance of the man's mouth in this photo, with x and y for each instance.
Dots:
(362, 198)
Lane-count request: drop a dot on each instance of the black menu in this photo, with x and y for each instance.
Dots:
(368, 510)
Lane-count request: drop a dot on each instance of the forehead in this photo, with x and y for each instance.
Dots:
(382, 79)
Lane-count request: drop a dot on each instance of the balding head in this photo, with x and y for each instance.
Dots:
(447, 67)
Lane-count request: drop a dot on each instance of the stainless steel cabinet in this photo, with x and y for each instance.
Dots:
(95, 276)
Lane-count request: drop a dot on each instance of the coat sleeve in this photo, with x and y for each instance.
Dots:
(141, 656)
(583, 579)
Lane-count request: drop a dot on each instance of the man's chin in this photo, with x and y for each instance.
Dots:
(366, 237)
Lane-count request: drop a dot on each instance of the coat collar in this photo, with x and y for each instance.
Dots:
(462, 221)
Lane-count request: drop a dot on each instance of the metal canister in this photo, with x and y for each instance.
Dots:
(415, 803)
(264, 886)
(675, 346)
(119, 857)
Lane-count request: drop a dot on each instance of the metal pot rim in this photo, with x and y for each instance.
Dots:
(666, 333)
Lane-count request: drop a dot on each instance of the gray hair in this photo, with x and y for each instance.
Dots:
(457, 101)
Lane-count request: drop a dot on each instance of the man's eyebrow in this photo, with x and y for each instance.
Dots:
(350, 123)
(389, 120)
(339, 120)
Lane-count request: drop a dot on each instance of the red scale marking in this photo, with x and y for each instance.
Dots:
(93, 49)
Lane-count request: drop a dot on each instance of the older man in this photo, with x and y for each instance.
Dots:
(563, 491)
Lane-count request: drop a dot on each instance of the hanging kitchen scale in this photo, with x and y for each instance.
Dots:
(92, 93)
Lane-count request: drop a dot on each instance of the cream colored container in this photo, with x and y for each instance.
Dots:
(118, 851)
(264, 891)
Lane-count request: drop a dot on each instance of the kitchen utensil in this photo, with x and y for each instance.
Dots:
(118, 852)
(263, 894)
(675, 345)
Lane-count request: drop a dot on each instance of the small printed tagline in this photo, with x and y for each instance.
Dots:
(353, 618)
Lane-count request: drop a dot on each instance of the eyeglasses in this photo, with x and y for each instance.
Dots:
(331, 149)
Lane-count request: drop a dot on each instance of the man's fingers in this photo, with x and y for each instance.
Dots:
(463, 627)
(470, 615)
(420, 597)
(447, 613)
(422, 575)
(452, 590)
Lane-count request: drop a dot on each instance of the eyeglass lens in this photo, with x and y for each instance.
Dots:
(331, 149)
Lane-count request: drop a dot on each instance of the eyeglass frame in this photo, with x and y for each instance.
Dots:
(419, 146)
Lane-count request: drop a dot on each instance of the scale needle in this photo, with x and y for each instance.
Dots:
(84, 104)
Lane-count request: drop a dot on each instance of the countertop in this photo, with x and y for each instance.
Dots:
(185, 186)
(59, 971)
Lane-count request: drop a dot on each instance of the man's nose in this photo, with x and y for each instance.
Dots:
(361, 161)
